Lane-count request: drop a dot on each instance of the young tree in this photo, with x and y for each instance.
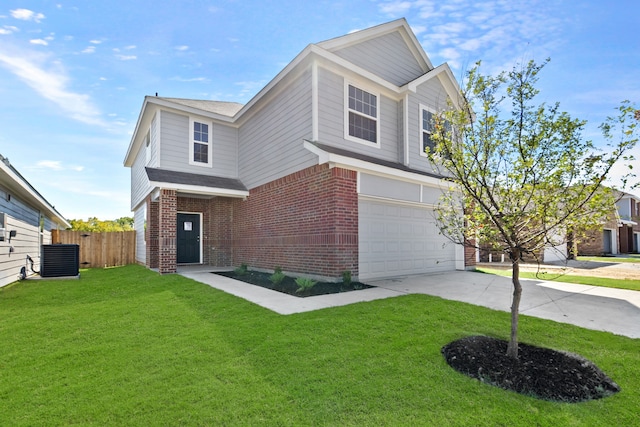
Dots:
(523, 178)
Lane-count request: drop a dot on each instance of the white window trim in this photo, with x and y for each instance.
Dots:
(421, 130)
(192, 142)
(376, 144)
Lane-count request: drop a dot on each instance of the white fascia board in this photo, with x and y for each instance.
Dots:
(343, 64)
(198, 189)
(401, 25)
(134, 145)
(444, 73)
(337, 160)
(153, 104)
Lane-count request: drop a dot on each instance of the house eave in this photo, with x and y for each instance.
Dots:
(18, 184)
(351, 163)
(186, 189)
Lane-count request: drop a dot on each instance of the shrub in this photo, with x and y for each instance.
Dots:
(242, 270)
(277, 277)
(346, 278)
(304, 284)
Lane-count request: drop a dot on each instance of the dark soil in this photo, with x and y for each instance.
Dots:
(289, 285)
(539, 372)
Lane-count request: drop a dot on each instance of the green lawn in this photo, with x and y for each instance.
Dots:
(125, 346)
(633, 285)
(629, 258)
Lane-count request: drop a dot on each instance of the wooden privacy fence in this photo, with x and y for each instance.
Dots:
(97, 250)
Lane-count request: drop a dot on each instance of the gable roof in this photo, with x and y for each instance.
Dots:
(223, 108)
(399, 25)
(15, 182)
(234, 114)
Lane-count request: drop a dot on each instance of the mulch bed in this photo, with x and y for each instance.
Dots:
(539, 372)
(289, 286)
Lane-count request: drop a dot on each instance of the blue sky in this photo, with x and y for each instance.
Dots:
(73, 74)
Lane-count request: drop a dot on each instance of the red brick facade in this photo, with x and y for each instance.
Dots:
(306, 222)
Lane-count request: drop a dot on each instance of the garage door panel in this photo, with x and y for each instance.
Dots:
(397, 239)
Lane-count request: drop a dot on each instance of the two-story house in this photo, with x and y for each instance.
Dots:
(26, 221)
(322, 172)
(619, 234)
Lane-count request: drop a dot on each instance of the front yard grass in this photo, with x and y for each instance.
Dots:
(629, 284)
(628, 258)
(125, 346)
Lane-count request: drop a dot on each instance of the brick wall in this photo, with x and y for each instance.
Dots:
(591, 243)
(217, 221)
(167, 233)
(153, 219)
(306, 222)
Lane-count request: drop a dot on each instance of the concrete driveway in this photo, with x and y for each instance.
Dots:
(598, 308)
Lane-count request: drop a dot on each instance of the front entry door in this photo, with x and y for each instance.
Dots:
(188, 238)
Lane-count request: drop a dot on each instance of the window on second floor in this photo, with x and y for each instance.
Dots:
(361, 116)
(427, 128)
(200, 143)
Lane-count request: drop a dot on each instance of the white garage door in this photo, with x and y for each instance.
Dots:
(398, 240)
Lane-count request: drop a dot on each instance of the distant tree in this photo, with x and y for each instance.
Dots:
(93, 224)
(521, 179)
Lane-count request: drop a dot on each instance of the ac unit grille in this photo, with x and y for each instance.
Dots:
(60, 260)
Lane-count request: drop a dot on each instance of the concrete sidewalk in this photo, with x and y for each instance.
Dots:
(593, 307)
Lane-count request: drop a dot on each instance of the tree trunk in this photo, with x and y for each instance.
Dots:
(512, 348)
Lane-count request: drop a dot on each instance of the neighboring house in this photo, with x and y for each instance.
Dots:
(26, 221)
(322, 172)
(619, 234)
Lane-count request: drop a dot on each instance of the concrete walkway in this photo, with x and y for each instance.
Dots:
(593, 307)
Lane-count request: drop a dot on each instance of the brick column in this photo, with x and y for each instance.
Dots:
(153, 218)
(167, 235)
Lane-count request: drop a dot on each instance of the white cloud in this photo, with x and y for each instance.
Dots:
(126, 57)
(89, 49)
(396, 8)
(192, 79)
(5, 31)
(133, 46)
(27, 15)
(48, 79)
(182, 48)
(40, 42)
(95, 41)
(56, 165)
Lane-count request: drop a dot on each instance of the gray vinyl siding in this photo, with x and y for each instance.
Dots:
(271, 142)
(175, 131)
(139, 220)
(387, 57)
(139, 182)
(25, 220)
(377, 186)
(17, 209)
(331, 119)
(26, 242)
(431, 94)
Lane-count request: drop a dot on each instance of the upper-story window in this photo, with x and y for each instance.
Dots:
(362, 116)
(200, 145)
(427, 127)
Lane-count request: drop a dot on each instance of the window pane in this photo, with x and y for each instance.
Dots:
(427, 142)
(362, 102)
(200, 153)
(362, 127)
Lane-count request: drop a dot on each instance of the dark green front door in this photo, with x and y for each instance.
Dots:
(188, 238)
